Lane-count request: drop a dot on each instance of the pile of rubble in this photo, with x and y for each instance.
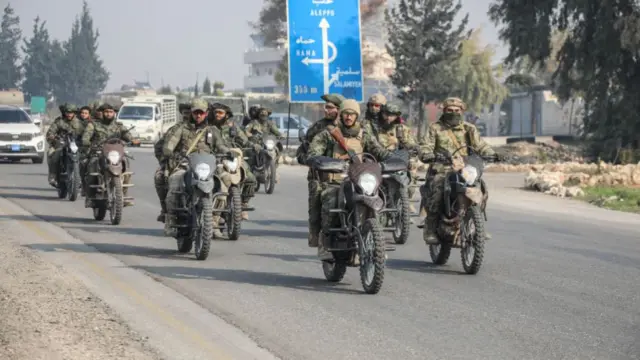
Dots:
(540, 153)
(567, 180)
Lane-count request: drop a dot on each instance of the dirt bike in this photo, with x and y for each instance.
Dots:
(68, 177)
(265, 162)
(193, 217)
(395, 189)
(107, 182)
(358, 240)
(463, 216)
(229, 205)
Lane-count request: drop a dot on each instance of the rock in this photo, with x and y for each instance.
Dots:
(289, 160)
(574, 191)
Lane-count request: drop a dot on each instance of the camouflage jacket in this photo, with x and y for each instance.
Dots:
(60, 124)
(181, 137)
(240, 139)
(157, 147)
(325, 145)
(442, 137)
(397, 136)
(256, 127)
(97, 132)
(318, 127)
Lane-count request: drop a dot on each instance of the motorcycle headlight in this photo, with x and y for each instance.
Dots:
(202, 171)
(231, 165)
(368, 183)
(73, 147)
(270, 144)
(114, 157)
(469, 174)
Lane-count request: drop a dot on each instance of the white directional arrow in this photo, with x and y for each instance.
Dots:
(326, 57)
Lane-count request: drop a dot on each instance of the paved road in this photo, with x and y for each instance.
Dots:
(560, 280)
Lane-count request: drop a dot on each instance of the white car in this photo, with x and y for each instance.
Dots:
(20, 137)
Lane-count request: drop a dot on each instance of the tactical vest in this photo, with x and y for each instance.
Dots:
(353, 143)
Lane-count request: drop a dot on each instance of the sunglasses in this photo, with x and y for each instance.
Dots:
(198, 112)
(220, 112)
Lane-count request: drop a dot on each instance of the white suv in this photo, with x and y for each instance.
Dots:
(20, 137)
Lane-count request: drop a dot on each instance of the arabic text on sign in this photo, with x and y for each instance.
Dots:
(323, 13)
(348, 84)
(299, 89)
(303, 53)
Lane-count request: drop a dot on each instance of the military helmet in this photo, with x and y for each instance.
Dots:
(106, 106)
(392, 109)
(335, 99)
(262, 108)
(68, 108)
(453, 101)
(377, 99)
(224, 107)
(350, 105)
(253, 110)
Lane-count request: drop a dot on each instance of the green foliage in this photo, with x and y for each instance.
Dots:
(37, 65)
(206, 86)
(599, 59)
(10, 35)
(272, 21)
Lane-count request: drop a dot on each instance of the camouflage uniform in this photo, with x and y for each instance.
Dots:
(233, 136)
(324, 145)
(95, 134)
(372, 114)
(395, 136)
(262, 125)
(160, 176)
(448, 134)
(177, 141)
(314, 185)
(61, 124)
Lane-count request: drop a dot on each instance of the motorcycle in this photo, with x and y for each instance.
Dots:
(229, 204)
(395, 189)
(462, 221)
(68, 177)
(358, 240)
(194, 212)
(107, 182)
(265, 162)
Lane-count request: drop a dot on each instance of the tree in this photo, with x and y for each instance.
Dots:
(217, 88)
(599, 60)
(83, 72)
(424, 43)
(37, 64)
(475, 76)
(206, 86)
(10, 35)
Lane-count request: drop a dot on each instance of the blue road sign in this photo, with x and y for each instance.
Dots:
(325, 54)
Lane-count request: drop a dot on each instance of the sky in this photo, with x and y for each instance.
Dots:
(173, 41)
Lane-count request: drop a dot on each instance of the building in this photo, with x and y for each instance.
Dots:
(263, 62)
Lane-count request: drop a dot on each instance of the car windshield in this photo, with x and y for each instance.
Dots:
(135, 113)
(12, 116)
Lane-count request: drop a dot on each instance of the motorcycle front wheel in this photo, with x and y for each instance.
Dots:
(117, 200)
(234, 216)
(372, 256)
(203, 234)
(270, 178)
(472, 252)
(402, 221)
(74, 182)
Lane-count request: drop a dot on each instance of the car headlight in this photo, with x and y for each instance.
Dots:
(202, 170)
(270, 144)
(368, 183)
(469, 174)
(114, 157)
(73, 147)
(231, 165)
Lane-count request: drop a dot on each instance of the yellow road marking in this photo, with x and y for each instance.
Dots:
(167, 317)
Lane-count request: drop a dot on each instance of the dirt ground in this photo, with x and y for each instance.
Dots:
(47, 314)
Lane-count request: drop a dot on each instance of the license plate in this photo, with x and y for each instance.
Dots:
(15, 147)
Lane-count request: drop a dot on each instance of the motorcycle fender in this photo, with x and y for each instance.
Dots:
(206, 186)
(225, 179)
(235, 178)
(474, 194)
(375, 203)
(115, 170)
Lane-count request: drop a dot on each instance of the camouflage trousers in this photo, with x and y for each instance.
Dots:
(413, 170)
(315, 210)
(329, 199)
(53, 159)
(434, 188)
(161, 185)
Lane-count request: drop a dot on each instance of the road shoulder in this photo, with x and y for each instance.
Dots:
(70, 301)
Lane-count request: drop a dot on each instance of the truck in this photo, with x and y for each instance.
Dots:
(152, 116)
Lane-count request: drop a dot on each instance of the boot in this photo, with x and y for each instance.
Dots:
(163, 211)
(161, 217)
(126, 202)
(323, 254)
(52, 180)
(168, 228)
(217, 234)
(430, 235)
(245, 214)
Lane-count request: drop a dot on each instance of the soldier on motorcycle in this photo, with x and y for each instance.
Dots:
(393, 135)
(262, 125)
(95, 134)
(253, 115)
(161, 174)
(85, 114)
(445, 136)
(66, 122)
(324, 144)
(331, 110)
(192, 136)
(374, 105)
(232, 135)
